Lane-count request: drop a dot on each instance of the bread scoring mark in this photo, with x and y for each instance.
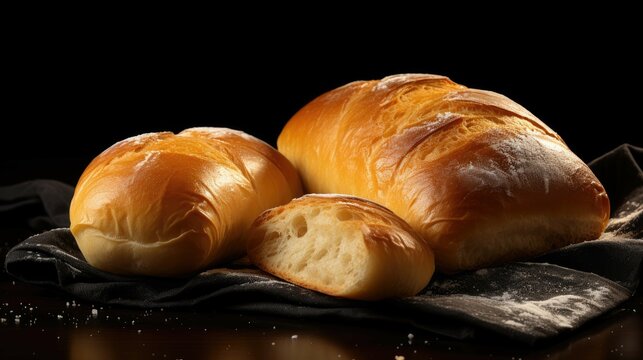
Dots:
(499, 102)
(440, 117)
(401, 146)
(403, 79)
(138, 139)
(149, 158)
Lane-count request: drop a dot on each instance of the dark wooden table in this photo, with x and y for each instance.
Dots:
(44, 323)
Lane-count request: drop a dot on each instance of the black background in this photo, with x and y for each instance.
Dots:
(75, 88)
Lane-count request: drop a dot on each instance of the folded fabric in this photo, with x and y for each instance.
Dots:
(36, 205)
(554, 293)
(32, 207)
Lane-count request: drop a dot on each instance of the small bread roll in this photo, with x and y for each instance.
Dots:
(342, 246)
(479, 177)
(162, 204)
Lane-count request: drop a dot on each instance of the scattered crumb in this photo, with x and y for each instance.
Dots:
(94, 313)
(294, 336)
(399, 357)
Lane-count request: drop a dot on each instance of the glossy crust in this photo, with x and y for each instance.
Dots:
(342, 246)
(162, 204)
(477, 175)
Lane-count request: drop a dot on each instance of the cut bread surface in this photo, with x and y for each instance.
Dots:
(342, 246)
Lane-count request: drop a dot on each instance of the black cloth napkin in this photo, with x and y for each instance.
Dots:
(36, 205)
(526, 301)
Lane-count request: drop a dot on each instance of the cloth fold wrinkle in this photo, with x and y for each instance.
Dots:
(525, 301)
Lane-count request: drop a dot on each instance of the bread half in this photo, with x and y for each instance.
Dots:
(342, 246)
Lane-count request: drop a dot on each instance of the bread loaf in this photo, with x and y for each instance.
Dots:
(342, 246)
(480, 178)
(168, 205)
